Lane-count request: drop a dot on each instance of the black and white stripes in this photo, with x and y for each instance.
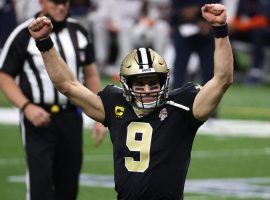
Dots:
(144, 58)
(20, 57)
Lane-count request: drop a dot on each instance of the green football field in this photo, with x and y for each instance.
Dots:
(222, 167)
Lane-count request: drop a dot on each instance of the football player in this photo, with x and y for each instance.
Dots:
(152, 129)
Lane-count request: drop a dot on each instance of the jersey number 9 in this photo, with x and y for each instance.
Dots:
(142, 146)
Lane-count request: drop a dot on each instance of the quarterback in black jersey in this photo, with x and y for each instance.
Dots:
(152, 129)
(151, 151)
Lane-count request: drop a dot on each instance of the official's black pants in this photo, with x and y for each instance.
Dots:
(54, 156)
(184, 46)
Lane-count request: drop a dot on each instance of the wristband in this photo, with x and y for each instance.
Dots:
(44, 45)
(25, 105)
(220, 31)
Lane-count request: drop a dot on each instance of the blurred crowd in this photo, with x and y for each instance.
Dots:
(174, 28)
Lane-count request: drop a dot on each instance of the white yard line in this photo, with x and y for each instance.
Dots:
(211, 127)
(230, 153)
(220, 153)
(10, 116)
(217, 127)
(230, 187)
(226, 127)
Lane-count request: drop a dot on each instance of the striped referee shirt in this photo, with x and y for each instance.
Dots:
(20, 58)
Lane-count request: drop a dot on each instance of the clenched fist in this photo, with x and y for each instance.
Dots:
(215, 14)
(40, 28)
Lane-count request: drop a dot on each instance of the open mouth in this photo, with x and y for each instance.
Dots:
(148, 99)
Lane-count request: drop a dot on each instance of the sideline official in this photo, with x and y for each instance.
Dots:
(51, 126)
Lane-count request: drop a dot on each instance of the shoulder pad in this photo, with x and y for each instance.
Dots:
(187, 87)
(111, 88)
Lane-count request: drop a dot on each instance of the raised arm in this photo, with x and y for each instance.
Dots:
(208, 98)
(60, 74)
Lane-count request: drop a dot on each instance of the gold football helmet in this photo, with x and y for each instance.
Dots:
(144, 62)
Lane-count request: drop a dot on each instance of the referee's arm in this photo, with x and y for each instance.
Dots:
(60, 74)
(91, 77)
(92, 82)
(38, 116)
(12, 90)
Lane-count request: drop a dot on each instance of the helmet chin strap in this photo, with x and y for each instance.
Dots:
(140, 112)
(58, 25)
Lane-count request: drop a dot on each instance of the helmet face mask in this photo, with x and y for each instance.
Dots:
(139, 99)
(144, 64)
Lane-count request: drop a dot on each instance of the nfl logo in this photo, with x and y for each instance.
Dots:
(163, 114)
(82, 56)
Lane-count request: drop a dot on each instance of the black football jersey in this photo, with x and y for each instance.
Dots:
(151, 153)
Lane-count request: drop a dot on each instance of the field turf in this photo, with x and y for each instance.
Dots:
(213, 158)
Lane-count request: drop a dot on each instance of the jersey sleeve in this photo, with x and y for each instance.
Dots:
(14, 53)
(110, 95)
(90, 54)
(186, 96)
(89, 48)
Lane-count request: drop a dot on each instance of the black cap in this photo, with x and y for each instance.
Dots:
(59, 1)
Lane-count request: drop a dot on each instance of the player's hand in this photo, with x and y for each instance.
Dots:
(37, 115)
(98, 131)
(40, 28)
(215, 14)
(149, 22)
